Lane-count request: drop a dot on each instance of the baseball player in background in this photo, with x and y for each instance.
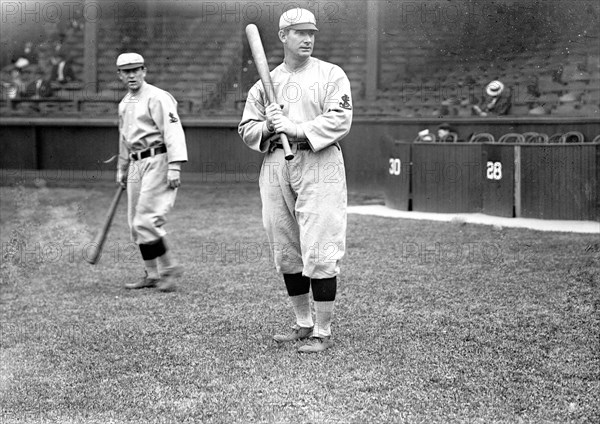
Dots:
(152, 148)
(303, 200)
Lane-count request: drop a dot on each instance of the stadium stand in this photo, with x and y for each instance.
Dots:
(429, 67)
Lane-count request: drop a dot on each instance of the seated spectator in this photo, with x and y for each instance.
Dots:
(497, 101)
(28, 53)
(426, 136)
(446, 133)
(62, 70)
(23, 80)
(13, 80)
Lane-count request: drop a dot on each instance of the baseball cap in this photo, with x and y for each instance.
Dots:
(494, 88)
(298, 18)
(129, 61)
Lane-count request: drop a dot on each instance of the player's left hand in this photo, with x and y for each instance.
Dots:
(174, 178)
(283, 124)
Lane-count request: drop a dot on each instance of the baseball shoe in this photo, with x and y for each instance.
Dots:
(316, 345)
(298, 333)
(143, 283)
(168, 277)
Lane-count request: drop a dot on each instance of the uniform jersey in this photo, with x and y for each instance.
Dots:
(148, 118)
(317, 97)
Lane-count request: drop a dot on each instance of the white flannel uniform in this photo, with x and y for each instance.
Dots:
(149, 119)
(304, 200)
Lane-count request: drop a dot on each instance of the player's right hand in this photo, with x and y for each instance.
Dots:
(272, 111)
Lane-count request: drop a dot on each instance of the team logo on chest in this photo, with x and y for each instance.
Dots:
(345, 103)
(172, 118)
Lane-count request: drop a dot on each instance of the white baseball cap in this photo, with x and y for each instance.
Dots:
(494, 88)
(129, 61)
(298, 18)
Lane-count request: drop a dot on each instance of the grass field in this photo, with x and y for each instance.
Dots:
(435, 322)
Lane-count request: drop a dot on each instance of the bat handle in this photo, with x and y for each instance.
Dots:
(286, 146)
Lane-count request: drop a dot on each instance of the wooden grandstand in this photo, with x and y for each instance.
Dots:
(422, 72)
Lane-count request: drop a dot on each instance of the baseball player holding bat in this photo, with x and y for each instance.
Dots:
(303, 199)
(152, 148)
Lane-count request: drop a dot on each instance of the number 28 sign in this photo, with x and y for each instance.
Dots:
(494, 170)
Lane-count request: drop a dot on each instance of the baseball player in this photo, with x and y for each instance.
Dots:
(152, 148)
(303, 200)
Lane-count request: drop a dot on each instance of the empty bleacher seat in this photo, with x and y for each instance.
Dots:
(482, 138)
(511, 138)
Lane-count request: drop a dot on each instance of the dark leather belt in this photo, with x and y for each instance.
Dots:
(301, 145)
(153, 151)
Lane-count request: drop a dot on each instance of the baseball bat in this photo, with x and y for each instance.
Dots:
(262, 66)
(100, 239)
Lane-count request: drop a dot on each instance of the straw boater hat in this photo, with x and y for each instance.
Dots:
(494, 88)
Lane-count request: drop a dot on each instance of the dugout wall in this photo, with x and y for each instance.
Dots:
(557, 181)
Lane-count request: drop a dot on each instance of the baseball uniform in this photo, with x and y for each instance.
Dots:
(148, 121)
(304, 200)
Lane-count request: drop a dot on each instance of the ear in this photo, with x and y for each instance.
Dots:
(282, 35)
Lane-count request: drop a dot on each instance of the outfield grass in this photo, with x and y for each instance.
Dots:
(435, 322)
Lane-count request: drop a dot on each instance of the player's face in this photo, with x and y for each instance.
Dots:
(133, 78)
(299, 42)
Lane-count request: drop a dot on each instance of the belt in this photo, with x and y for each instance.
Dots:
(300, 145)
(147, 153)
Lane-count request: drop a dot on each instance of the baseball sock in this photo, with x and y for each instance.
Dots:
(298, 287)
(324, 291)
(150, 251)
(166, 260)
(152, 268)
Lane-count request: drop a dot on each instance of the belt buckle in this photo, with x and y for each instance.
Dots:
(152, 152)
(294, 147)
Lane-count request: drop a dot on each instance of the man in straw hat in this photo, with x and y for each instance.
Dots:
(497, 100)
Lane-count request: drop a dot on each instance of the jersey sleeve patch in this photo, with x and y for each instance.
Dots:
(345, 103)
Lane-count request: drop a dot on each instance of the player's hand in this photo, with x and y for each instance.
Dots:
(122, 178)
(283, 124)
(272, 111)
(174, 178)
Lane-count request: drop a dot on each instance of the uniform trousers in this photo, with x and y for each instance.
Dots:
(304, 203)
(149, 198)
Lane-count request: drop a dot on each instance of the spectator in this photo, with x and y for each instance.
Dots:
(62, 70)
(29, 53)
(497, 101)
(446, 133)
(13, 79)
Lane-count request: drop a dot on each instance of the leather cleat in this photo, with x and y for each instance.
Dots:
(298, 333)
(168, 277)
(316, 345)
(144, 283)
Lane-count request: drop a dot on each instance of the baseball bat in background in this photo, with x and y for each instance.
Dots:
(262, 66)
(100, 239)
